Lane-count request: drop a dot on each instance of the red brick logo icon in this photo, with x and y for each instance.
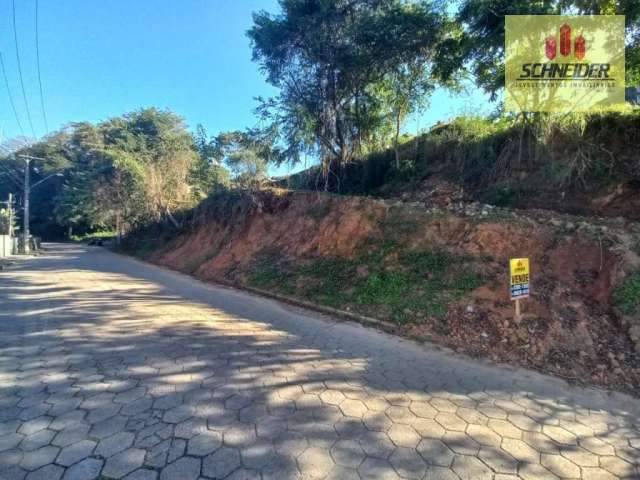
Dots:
(565, 40)
(551, 46)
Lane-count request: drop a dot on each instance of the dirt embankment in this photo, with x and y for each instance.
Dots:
(439, 272)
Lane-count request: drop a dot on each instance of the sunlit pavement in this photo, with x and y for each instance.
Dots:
(110, 368)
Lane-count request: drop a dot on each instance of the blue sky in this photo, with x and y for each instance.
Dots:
(104, 58)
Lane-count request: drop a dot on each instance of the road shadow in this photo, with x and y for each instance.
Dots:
(242, 383)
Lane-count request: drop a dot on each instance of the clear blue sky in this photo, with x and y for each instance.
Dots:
(102, 58)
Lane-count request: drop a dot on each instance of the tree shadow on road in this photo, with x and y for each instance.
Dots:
(229, 384)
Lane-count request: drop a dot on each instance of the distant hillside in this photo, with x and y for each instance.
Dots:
(580, 164)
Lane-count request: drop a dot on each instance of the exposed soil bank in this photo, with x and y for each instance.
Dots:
(440, 272)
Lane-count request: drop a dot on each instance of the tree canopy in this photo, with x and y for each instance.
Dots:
(481, 46)
(329, 59)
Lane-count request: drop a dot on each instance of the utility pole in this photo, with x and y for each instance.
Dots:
(27, 194)
(10, 209)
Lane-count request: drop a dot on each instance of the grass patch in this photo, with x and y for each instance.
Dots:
(145, 249)
(382, 281)
(627, 295)
(270, 271)
(196, 262)
(86, 236)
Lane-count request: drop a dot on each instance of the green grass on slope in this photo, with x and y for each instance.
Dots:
(381, 281)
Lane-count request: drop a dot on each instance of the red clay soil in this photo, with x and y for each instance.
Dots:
(569, 327)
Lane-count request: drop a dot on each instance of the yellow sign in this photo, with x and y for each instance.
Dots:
(520, 278)
(564, 63)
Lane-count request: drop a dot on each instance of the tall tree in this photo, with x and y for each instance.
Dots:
(325, 55)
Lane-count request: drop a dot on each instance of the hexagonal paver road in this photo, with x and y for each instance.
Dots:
(112, 368)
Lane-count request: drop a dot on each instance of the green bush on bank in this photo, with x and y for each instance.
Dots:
(504, 157)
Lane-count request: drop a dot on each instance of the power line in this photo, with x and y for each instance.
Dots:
(44, 113)
(24, 93)
(13, 105)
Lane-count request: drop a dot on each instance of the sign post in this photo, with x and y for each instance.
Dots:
(519, 282)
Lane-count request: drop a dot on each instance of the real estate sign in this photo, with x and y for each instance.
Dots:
(520, 278)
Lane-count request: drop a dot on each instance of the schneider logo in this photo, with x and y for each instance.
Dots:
(562, 71)
(564, 63)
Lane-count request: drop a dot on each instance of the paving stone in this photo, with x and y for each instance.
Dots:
(347, 453)
(579, 456)
(470, 468)
(498, 460)
(178, 414)
(450, 421)
(130, 396)
(67, 419)
(403, 436)
(39, 458)
(12, 473)
(142, 474)
(114, 444)
(11, 458)
(429, 428)
(103, 413)
(504, 428)
(315, 462)
(378, 469)
(484, 435)
(9, 441)
(376, 421)
(617, 466)
(560, 435)
(176, 450)
(35, 425)
(408, 463)
(185, 468)
(248, 474)
(560, 466)
(597, 474)
(190, 428)
(70, 435)
(88, 469)
(49, 472)
(37, 440)
(258, 454)
(399, 414)
(204, 444)
(332, 397)
(442, 473)
(535, 471)
(435, 452)
(597, 446)
(75, 452)
(123, 463)
(221, 463)
(461, 443)
(353, 408)
(423, 410)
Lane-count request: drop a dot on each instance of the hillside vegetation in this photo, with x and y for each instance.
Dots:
(577, 163)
